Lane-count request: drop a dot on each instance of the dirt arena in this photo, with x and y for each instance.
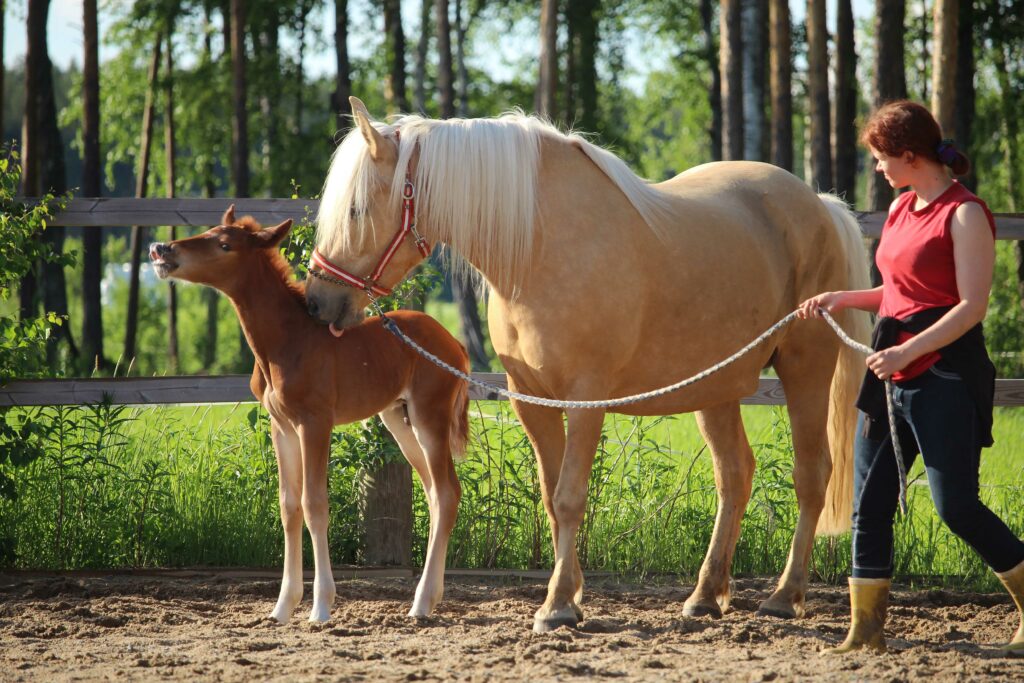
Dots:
(213, 626)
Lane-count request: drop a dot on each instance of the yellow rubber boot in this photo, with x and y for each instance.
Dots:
(1014, 582)
(869, 599)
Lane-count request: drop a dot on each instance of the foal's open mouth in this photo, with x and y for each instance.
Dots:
(161, 264)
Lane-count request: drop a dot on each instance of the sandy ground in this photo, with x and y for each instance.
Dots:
(213, 626)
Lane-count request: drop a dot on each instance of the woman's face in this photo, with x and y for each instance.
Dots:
(897, 170)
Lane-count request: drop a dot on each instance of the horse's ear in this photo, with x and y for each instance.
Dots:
(229, 216)
(271, 237)
(374, 140)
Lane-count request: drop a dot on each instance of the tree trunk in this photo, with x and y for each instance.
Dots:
(343, 78)
(547, 81)
(270, 59)
(239, 119)
(944, 61)
(752, 22)
(141, 189)
(210, 296)
(1010, 110)
(846, 104)
(462, 292)
(890, 84)
(300, 69)
(92, 186)
(817, 87)
(781, 84)
(420, 72)
(581, 86)
(240, 133)
(731, 66)
(3, 66)
(715, 87)
(963, 106)
(445, 73)
(462, 90)
(173, 357)
(394, 89)
(385, 490)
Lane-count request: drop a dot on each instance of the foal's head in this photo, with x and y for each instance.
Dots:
(223, 256)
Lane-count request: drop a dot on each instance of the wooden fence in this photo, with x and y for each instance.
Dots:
(235, 388)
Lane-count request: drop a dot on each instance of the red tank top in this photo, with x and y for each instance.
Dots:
(915, 258)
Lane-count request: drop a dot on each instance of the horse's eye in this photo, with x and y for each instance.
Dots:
(225, 246)
(355, 213)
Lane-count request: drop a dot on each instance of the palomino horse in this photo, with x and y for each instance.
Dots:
(602, 286)
(310, 381)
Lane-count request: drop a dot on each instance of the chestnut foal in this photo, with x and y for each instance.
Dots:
(309, 381)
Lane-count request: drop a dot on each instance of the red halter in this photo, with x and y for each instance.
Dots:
(370, 284)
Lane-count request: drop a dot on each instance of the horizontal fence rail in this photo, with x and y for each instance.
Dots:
(190, 390)
(117, 211)
(155, 212)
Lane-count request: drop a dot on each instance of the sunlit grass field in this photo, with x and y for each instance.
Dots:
(185, 486)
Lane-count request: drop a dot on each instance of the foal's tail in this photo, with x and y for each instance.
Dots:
(458, 436)
(842, 415)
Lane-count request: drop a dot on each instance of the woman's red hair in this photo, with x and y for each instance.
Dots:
(905, 126)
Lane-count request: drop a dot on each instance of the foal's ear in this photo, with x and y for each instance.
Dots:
(229, 216)
(374, 140)
(271, 237)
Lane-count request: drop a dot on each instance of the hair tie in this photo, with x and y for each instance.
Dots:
(947, 152)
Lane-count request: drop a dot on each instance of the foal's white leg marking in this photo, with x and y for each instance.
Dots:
(315, 445)
(289, 468)
(431, 586)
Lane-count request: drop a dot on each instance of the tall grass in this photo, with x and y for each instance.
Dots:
(176, 486)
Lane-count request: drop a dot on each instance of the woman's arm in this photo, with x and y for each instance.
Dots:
(833, 302)
(973, 256)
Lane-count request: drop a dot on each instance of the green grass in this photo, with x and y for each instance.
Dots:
(180, 486)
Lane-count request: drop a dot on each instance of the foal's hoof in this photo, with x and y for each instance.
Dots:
(569, 616)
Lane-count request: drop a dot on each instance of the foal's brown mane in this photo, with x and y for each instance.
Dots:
(276, 261)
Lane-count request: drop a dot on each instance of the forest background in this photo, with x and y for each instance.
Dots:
(247, 98)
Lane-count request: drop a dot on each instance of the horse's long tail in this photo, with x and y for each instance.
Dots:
(842, 415)
(458, 436)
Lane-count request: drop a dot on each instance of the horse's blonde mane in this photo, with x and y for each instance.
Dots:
(476, 187)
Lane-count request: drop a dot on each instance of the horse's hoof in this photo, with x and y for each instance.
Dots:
(702, 609)
(777, 610)
(578, 610)
(566, 616)
(319, 616)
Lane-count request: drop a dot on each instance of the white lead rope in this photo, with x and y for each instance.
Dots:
(390, 325)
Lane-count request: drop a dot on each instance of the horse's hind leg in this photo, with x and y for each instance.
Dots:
(722, 428)
(289, 470)
(426, 446)
(316, 440)
(806, 375)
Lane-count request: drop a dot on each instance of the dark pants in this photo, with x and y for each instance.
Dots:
(935, 416)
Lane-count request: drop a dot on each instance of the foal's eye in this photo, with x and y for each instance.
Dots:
(225, 246)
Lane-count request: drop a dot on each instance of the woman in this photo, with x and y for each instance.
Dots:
(935, 255)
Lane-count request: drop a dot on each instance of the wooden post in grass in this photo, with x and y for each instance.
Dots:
(385, 510)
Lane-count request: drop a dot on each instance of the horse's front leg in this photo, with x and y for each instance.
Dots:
(545, 429)
(722, 428)
(289, 469)
(569, 504)
(316, 439)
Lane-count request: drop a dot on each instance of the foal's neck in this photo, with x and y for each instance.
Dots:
(271, 310)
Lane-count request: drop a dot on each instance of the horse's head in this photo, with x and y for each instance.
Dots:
(366, 236)
(218, 256)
